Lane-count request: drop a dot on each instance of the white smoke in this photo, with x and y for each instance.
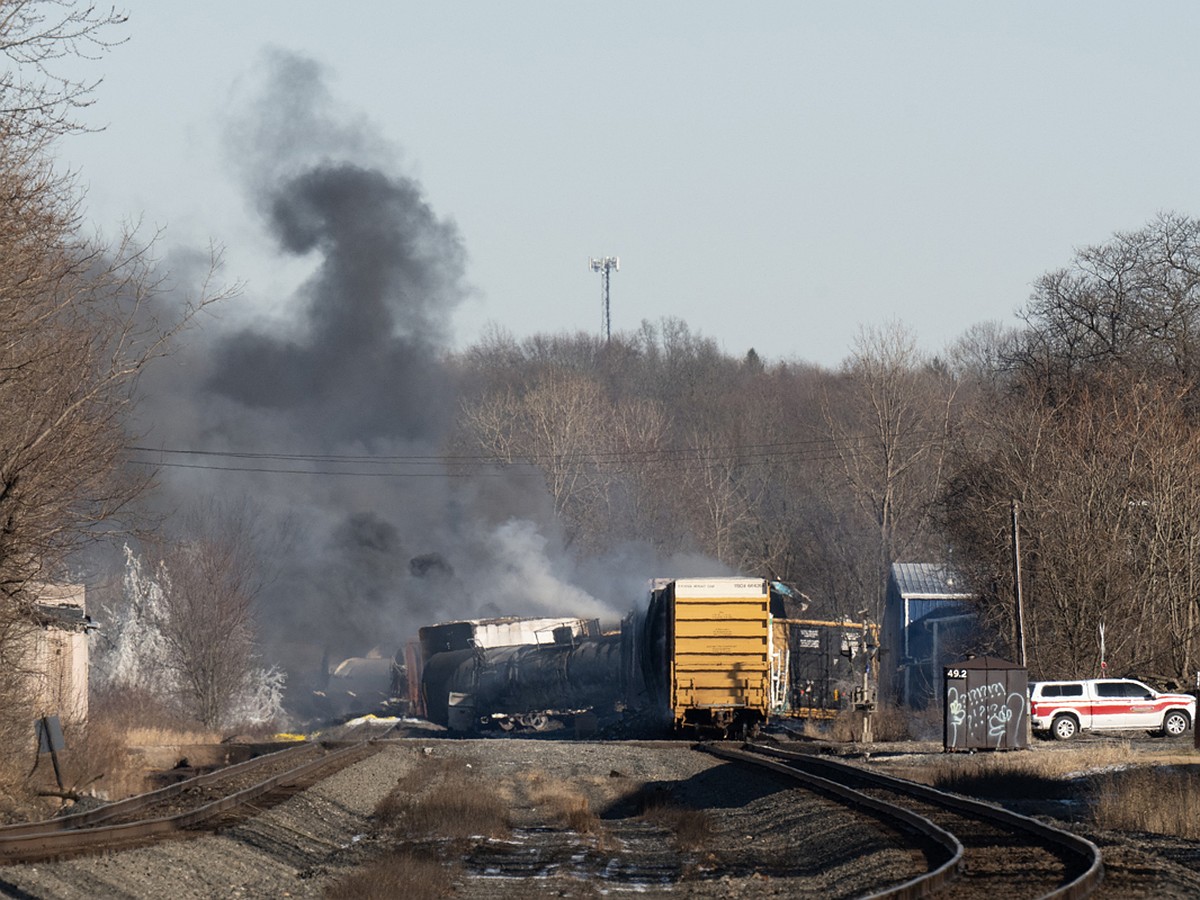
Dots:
(525, 577)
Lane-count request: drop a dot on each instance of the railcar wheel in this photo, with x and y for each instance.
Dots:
(1063, 728)
(1175, 723)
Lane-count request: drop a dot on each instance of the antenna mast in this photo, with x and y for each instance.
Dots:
(604, 265)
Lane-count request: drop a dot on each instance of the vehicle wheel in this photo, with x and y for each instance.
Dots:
(1063, 728)
(1175, 723)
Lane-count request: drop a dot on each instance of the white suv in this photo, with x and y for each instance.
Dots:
(1063, 708)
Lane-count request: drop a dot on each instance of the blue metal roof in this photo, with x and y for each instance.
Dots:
(929, 581)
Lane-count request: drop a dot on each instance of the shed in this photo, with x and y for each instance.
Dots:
(986, 703)
(56, 654)
(927, 612)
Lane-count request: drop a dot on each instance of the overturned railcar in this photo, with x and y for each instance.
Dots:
(528, 685)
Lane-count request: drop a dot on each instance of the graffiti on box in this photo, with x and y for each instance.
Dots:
(988, 709)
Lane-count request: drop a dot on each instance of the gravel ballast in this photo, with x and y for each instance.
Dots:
(758, 836)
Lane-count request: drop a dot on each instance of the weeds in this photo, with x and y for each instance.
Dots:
(692, 829)
(459, 811)
(1162, 800)
(442, 800)
(1021, 774)
(399, 874)
(440, 813)
(997, 777)
(563, 804)
(1124, 788)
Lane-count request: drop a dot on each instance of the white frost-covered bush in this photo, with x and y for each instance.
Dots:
(142, 651)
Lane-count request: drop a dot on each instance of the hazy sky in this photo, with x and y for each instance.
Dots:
(777, 174)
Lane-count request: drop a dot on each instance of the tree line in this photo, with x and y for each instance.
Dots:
(1085, 413)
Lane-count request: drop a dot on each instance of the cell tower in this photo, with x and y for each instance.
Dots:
(604, 265)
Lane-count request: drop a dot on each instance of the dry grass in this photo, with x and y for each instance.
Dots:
(1162, 800)
(437, 822)
(561, 803)
(691, 829)
(1125, 788)
(434, 810)
(1019, 774)
(887, 724)
(441, 798)
(98, 762)
(892, 723)
(437, 812)
(161, 736)
(997, 778)
(119, 722)
(401, 874)
(97, 759)
(460, 811)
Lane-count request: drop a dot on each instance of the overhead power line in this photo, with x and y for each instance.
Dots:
(476, 465)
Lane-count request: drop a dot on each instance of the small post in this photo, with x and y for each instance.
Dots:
(50, 740)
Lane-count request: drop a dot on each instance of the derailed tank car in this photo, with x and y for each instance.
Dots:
(474, 634)
(704, 649)
(505, 631)
(527, 685)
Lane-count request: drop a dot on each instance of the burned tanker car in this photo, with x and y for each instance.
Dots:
(510, 672)
(713, 655)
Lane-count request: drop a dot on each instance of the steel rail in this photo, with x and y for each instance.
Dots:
(1086, 852)
(922, 885)
(140, 801)
(19, 844)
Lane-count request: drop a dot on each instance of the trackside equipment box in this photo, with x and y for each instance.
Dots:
(986, 705)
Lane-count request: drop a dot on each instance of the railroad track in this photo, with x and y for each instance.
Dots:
(975, 849)
(187, 806)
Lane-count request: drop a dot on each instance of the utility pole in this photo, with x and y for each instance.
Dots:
(1019, 610)
(604, 265)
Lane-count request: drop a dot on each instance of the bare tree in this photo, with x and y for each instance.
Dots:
(1131, 303)
(212, 577)
(1109, 525)
(38, 100)
(186, 630)
(890, 424)
(78, 321)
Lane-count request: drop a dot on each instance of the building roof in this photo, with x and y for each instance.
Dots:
(63, 617)
(929, 581)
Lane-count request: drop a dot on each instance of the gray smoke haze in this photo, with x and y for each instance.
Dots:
(351, 364)
(362, 362)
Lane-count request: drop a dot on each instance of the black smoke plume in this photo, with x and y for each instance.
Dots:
(342, 391)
